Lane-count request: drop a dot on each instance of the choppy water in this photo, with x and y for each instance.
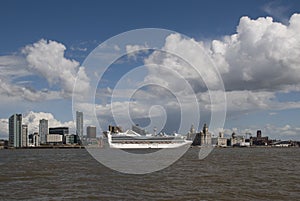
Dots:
(226, 174)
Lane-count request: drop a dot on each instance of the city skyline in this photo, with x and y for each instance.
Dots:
(16, 120)
(252, 43)
(19, 136)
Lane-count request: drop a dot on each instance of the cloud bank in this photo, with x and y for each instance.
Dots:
(42, 61)
(260, 60)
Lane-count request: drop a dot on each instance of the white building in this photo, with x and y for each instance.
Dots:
(54, 139)
(237, 140)
(221, 141)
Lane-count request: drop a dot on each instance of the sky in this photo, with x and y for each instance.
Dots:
(254, 45)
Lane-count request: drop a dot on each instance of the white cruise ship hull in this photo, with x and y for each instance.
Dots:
(132, 140)
(149, 146)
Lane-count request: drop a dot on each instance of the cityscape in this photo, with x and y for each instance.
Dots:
(204, 137)
(46, 136)
(60, 137)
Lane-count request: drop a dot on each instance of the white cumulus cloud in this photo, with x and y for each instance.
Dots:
(46, 58)
(263, 54)
(259, 60)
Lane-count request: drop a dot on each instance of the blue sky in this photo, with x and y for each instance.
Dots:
(25, 22)
(79, 27)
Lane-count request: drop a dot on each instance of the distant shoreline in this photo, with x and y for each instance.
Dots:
(83, 147)
(46, 147)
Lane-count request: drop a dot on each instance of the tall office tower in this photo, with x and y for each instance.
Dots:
(24, 135)
(79, 124)
(15, 130)
(91, 132)
(43, 131)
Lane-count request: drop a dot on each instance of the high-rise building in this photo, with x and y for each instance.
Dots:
(43, 130)
(15, 130)
(91, 132)
(24, 135)
(79, 124)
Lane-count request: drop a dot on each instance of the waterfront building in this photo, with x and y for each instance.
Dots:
(237, 140)
(54, 139)
(3, 144)
(63, 131)
(36, 140)
(33, 140)
(191, 134)
(203, 138)
(91, 132)
(196, 139)
(59, 130)
(15, 130)
(71, 139)
(192, 129)
(30, 140)
(24, 135)
(259, 140)
(221, 140)
(79, 124)
(206, 136)
(43, 130)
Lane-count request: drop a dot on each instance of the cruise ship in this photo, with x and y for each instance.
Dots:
(133, 140)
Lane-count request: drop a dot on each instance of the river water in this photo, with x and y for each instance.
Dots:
(226, 174)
